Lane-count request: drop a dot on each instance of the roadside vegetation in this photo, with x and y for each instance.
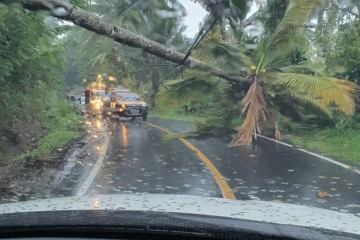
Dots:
(339, 141)
(339, 144)
(35, 120)
(315, 106)
(63, 124)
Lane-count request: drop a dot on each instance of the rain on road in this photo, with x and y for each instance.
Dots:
(140, 158)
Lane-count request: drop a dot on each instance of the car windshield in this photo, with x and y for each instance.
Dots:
(128, 96)
(102, 94)
(249, 105)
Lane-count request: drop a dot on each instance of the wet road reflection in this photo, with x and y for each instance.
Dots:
(124, 134)
(273, 172)
(140, 159)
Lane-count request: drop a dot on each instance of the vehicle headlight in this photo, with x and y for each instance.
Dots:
(123, 106)
(143, 104)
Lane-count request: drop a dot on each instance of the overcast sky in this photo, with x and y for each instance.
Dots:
(195, 14)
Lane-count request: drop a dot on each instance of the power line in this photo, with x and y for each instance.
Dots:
(126, 7)
(201, 33)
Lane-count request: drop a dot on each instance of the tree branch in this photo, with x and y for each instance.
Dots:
(64, 10)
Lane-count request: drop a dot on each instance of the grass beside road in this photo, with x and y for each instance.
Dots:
(171, 114)
(64, 126)
(342, 144)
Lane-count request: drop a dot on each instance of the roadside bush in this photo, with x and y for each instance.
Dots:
(31, 63)
(57, 138)
(343, 144)
(63, 123)
(61, 115)
(342, 122)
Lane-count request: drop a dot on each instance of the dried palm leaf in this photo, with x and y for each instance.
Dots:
(254, 104)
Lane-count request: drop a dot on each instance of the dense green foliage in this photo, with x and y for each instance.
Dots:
(32, 67)
(31, 63)
(345, 61)
(63, 123)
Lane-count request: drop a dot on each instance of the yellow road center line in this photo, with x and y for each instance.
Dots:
(219, 179)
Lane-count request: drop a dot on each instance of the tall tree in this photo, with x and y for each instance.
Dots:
(279, 74)
(275, 75)
(31, 62)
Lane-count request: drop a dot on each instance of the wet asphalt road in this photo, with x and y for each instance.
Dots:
(140, 158)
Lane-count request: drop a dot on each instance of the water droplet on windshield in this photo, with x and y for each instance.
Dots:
(166, 13)
(250, 46)
(59, 12)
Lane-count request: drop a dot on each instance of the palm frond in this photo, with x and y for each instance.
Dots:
(317, 67)
(254, 104)
(191, 86)
(223, 55)
(313, 105)
(97, 60)
(283, 41)
(280, 55)
(133, 20)
(295, 16)
(326, 91)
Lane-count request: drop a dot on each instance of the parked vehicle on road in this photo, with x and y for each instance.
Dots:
(94, 99)
(125, 103)
(81, 100)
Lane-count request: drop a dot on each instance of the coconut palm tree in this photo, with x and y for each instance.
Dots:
(276, 73)
(274, 76)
